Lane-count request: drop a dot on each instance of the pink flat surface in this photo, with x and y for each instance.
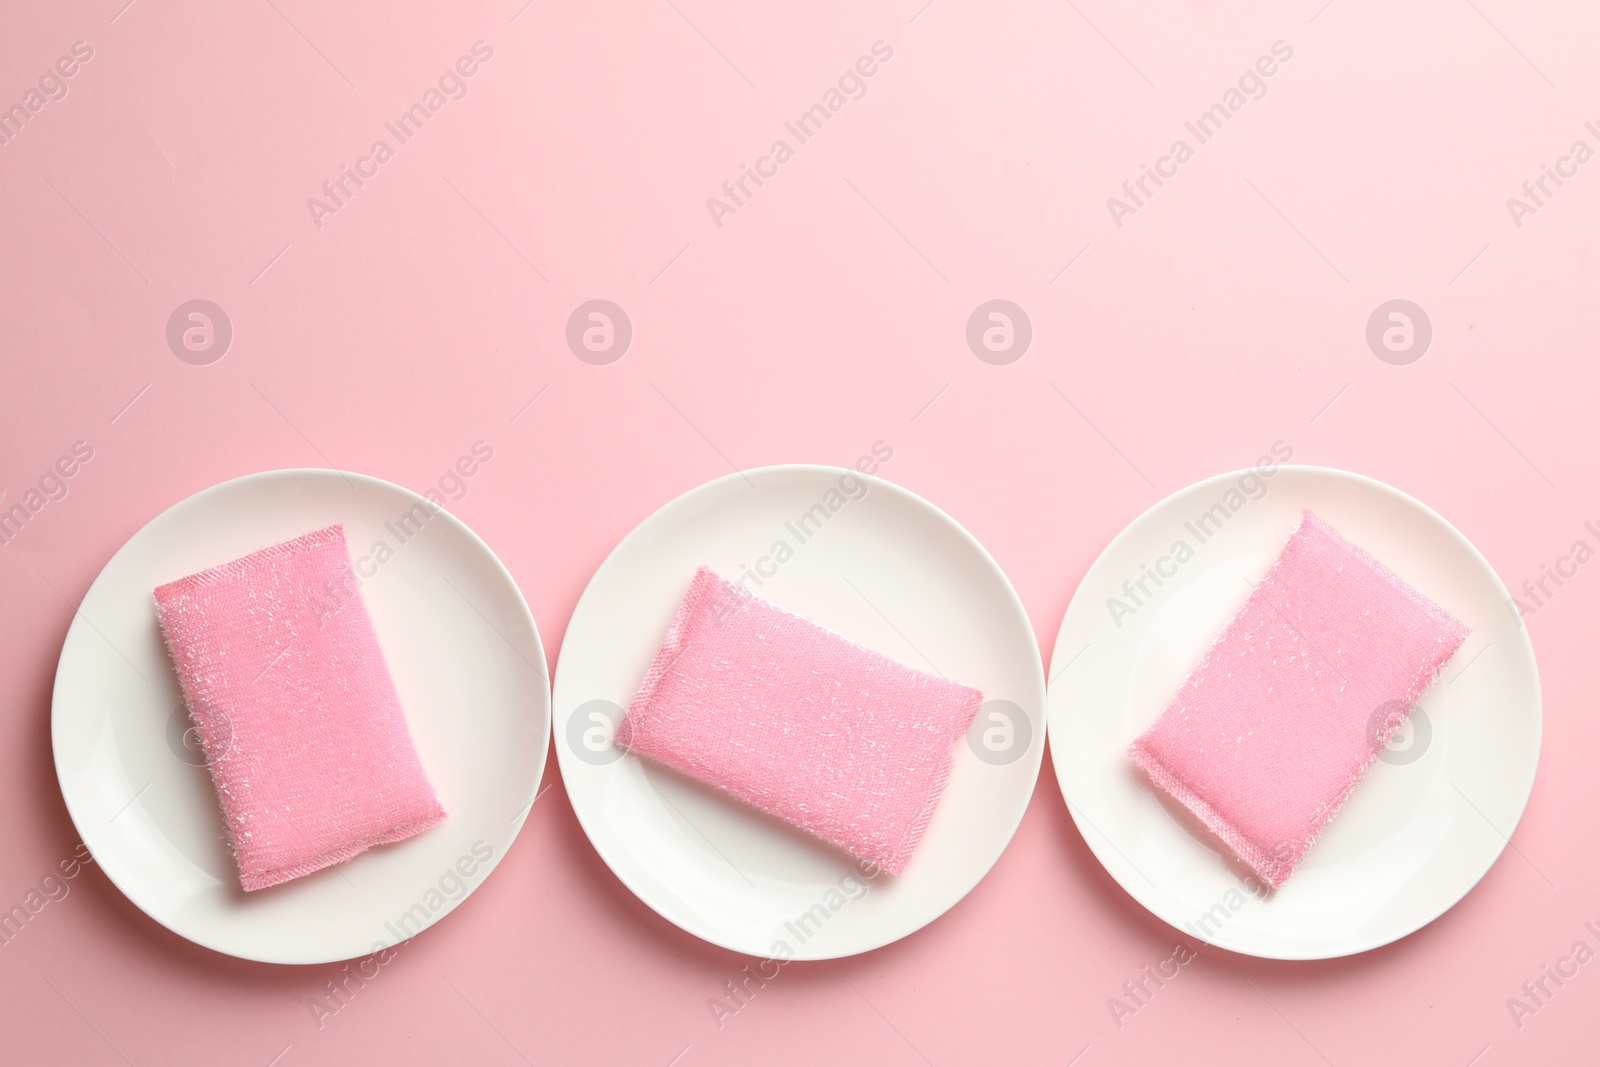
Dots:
(829, 311)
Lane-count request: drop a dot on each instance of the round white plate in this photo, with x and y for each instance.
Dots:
(1432, 813)
(466, 660)
(887, 570)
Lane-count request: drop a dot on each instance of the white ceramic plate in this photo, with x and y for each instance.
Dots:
(887, 570)
(1431, 815)
(465, 657)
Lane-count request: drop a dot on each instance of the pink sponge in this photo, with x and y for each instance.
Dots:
(799, 722)
(296, 712)
(1291, 704)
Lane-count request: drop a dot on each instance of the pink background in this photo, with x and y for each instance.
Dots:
(829, 312)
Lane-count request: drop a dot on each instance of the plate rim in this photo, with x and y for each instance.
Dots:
(1037, 756)
(79, 623)
(1101, 848)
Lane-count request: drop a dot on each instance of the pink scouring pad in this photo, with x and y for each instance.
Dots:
(794, 719)
(296, 712)
(1291, 704)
